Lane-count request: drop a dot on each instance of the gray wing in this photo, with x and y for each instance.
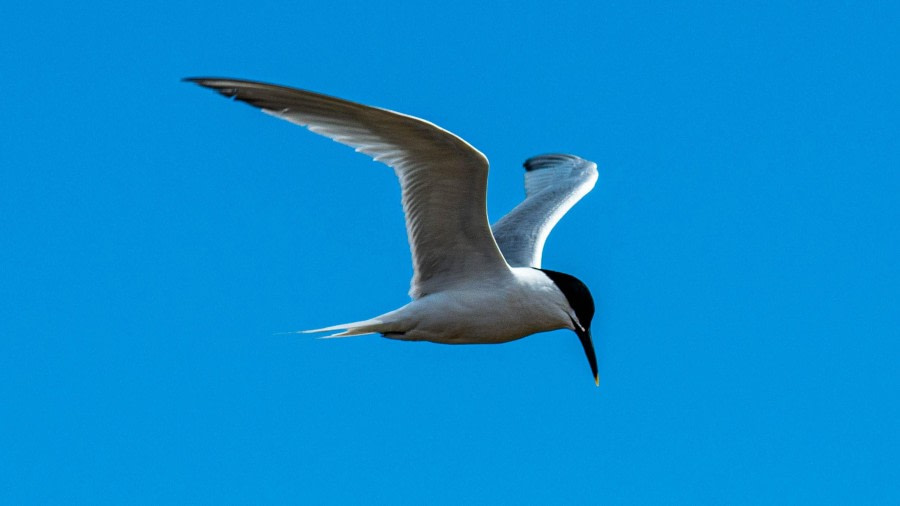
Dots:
(553, 184)
(443, 179)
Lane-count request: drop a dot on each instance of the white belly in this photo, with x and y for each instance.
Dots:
(487, 313)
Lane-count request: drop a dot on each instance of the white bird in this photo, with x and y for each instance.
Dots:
(470, 284)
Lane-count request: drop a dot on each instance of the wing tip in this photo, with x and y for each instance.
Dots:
(223, 86)
(203, 81)
(550, 160)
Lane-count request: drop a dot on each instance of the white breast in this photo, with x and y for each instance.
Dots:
(488, 311)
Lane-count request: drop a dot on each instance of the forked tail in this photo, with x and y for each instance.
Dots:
(373, 326)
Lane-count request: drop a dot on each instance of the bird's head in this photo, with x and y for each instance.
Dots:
(582, 304)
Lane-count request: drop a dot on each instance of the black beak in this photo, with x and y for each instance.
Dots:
(585, 336)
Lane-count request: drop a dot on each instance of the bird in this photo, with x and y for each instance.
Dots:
(472, 283)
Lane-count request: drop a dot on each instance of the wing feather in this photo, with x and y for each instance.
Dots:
(443, 178)
(553, 184)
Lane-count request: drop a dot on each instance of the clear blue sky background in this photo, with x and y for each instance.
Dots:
(742, 244)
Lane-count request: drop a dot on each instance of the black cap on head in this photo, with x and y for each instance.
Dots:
(582, 303)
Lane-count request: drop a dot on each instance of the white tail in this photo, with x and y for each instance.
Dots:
(373, 326)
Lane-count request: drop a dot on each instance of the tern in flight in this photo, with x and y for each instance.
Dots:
(472, 283)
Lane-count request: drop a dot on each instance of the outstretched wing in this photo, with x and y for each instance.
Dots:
(443, 179)
(553, 184)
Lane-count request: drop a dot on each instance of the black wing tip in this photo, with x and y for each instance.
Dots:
(226, 87)
(206, 81)
(552, 160)
(203, 81)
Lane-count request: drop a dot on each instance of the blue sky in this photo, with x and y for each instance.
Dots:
(741, 244)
